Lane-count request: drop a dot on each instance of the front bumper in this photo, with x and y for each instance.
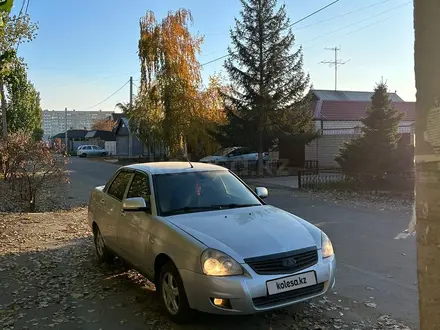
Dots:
(248, 293)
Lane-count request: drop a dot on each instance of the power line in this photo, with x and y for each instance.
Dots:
(343, 15)
(22, 7)
(356, 23)
(215, 60)
(19, 15)
(369, 25)
(107, 98)
(359, 29)
(27, 7)
(294, 23)
(314, 13)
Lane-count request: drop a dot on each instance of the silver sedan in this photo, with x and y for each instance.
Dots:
(208, 241)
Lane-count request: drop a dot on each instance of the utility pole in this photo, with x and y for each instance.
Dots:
(65, 125)
(336, 63)
(130, 136)
(427, 158)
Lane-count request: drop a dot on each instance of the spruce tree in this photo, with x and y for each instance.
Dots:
(375, 152)
(266, 99)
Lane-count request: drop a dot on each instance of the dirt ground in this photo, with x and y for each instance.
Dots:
(49, 278)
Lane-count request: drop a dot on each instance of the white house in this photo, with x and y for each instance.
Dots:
(337, 116)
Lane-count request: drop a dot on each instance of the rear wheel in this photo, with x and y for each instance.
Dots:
(103, 154)
(173, 296)
(103, 254)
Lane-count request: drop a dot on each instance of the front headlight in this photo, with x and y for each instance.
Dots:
(327, 246)
(216, 263)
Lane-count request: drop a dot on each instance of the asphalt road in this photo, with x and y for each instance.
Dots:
(372, 265)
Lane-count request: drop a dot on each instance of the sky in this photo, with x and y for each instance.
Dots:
(87, 50)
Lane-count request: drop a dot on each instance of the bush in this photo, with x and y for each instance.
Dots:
(31, 172)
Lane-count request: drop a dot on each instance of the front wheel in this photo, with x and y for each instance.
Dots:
(103, 254)
(173, 296)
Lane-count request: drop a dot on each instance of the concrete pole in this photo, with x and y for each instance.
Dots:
(130, 134)
(427, 128)
(65, 126)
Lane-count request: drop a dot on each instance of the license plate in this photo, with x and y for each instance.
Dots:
(291, 283)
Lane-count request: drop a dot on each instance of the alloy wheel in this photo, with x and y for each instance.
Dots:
(170, 293)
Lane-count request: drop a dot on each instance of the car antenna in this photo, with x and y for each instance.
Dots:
(187, 159)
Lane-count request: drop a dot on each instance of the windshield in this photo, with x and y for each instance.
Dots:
(200, 191)
(224, 151)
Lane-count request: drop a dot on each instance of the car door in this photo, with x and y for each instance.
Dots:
(88, 150)
(96, 151)
(111, 206)
(134, 226)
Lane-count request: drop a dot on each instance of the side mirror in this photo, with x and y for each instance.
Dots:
(135, 204)
(262, 192)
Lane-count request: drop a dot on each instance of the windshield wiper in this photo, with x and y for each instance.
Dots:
(194, 208)
(233, 206)
(187, 209)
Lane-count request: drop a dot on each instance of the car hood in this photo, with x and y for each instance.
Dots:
(249, 232)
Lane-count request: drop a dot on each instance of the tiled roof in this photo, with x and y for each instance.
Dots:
(331, 95)
(356, 110)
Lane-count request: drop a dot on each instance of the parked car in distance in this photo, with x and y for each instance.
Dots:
(208, 241)
(233, 154)
(91, 151)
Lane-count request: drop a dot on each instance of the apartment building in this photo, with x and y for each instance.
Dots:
(54, 121)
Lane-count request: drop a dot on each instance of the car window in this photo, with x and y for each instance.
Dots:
(140, 187)
(117, 188)
(95, 148)
(79, 148)
(223, 152)
(200, 191)
(87, 148)
(237, 152)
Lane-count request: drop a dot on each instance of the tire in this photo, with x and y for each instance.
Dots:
(102, 253)
(83, 155)
(169, 281)
(103, 154)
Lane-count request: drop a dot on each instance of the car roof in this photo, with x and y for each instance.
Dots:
(174, 167)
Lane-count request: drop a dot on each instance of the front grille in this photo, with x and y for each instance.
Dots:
(284, 263)
(284, 297)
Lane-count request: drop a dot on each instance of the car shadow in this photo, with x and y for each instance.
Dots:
(63, 286)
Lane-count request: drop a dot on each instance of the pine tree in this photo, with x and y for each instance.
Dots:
(375, 152)
(267, 96)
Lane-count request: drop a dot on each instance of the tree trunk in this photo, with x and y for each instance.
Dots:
(427, 72)
(3, 107)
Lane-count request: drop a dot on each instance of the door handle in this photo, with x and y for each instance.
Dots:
(123, 213)
(102, 201)
(151, 239)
